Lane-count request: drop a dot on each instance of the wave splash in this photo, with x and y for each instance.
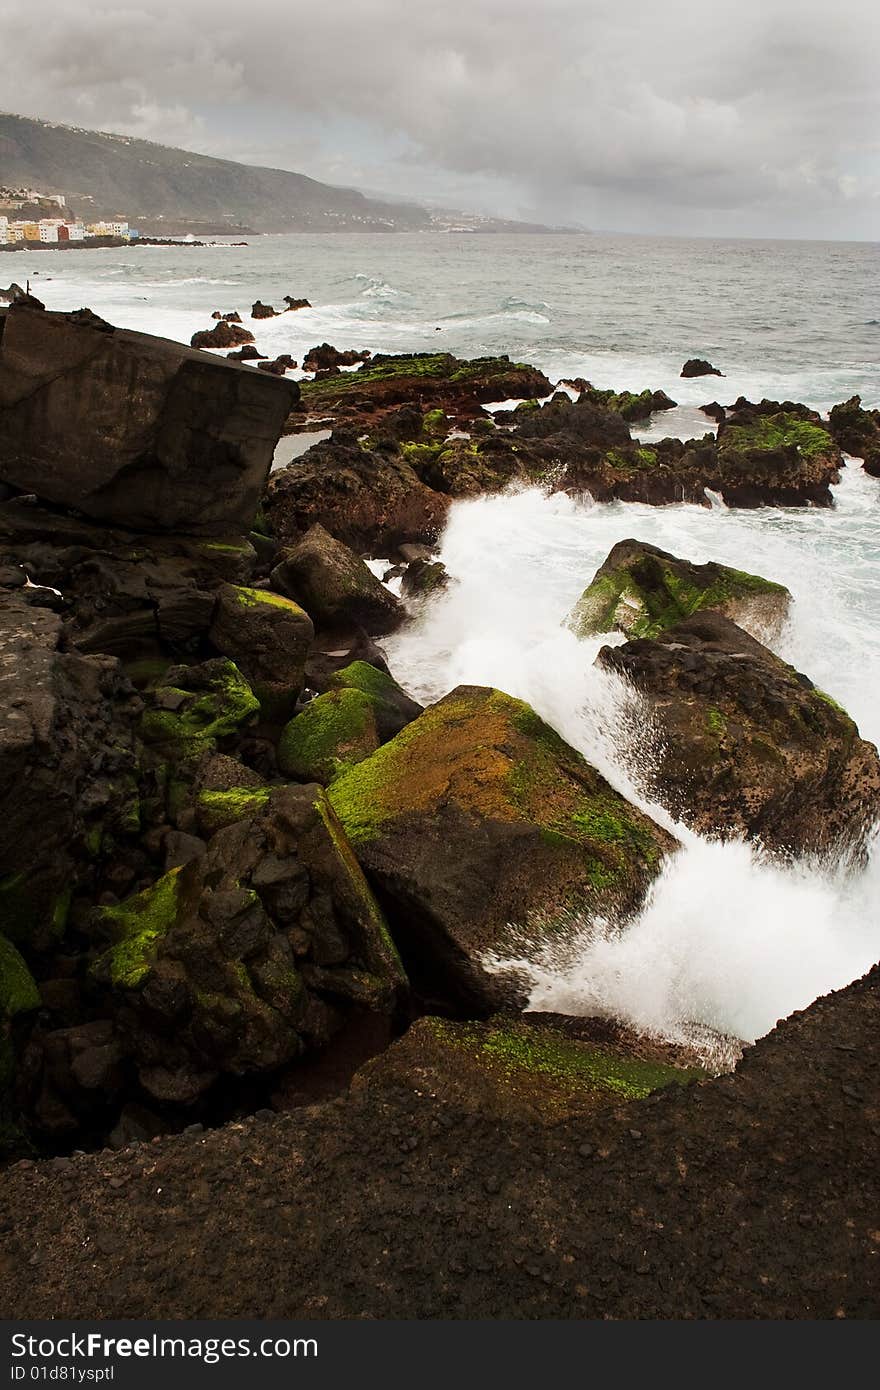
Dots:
(728, 941)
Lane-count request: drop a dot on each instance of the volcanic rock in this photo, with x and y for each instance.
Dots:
(642, 591)
(268, 638)
(698, 366)
(133, 430)
(334, 585)
(478, 816)
(747, 746)
(224, 335)
(524, 1070)
(370, 499)
(68, 764)
(857, 431)
(223, 966)
(361, 708)
(324, 357)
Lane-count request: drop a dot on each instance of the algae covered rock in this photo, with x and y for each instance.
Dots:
(428, 378)
(642, 591)
(249, 955)
(195, 707)
(392, 707)
(333, 732)
(525, 1069)
(362, 708)
(268, 637)
(334, 585)
(776, 454)
(478, 816)
(745, 746)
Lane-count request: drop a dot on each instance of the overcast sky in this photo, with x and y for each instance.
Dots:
(757, 118)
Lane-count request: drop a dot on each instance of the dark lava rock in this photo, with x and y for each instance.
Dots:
(68, 765)
(224, 965)
(135, 596)
(323, 357)
(295, 303)
(747, 746)
(371, 499)
(268, 637)
(642, 591)
(421, 578)
(248, 353)
(776, 454)
(334, 585)
(478, 816)
(224, 335)
(698, 366)
(133, 430)
(361, 708)
(259, 310)
(857, 431)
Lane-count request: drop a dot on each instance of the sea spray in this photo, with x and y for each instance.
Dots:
(728, 941)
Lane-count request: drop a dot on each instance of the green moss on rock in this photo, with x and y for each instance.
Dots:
(201, 716)
(332, 733)
(643, 591)
(138, 924)
(18, 990)
(217, 809)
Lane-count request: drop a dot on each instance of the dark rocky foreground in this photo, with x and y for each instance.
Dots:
(753, 1196)
(241, 867)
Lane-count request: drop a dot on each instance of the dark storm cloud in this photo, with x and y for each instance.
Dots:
(759, 116)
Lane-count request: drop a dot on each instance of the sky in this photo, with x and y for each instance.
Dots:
(754, 118)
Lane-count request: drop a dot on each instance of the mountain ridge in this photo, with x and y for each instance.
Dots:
(164, 189)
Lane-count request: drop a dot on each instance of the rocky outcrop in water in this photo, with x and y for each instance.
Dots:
(857, 431)
(226, 334)
(132, 430)
(536, 1069)
(643, 591)
(744, 745)
(386, 382)
(698, 366)
(325, 358)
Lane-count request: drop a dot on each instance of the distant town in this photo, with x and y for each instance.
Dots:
(27, 215)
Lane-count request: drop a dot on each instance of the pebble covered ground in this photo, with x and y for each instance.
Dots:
(752, 1196)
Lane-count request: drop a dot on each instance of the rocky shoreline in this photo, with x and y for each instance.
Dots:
(241, 869)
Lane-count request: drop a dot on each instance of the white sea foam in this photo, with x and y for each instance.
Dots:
(727, 942)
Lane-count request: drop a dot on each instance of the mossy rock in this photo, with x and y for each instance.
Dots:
(477, 816)
(18, 990)
(197, 706)
(217, 808)
(332, 733)
(268, 637)
(643, 591)
(763, 433)
(739, 745)
(519, 1069)
(137, 926)
(392, 707)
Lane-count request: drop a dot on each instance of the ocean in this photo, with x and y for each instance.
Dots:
(728, 941)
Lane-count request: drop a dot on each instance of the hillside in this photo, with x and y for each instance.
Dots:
(165, 190)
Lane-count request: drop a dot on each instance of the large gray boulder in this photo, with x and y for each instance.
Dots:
(133, 430)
